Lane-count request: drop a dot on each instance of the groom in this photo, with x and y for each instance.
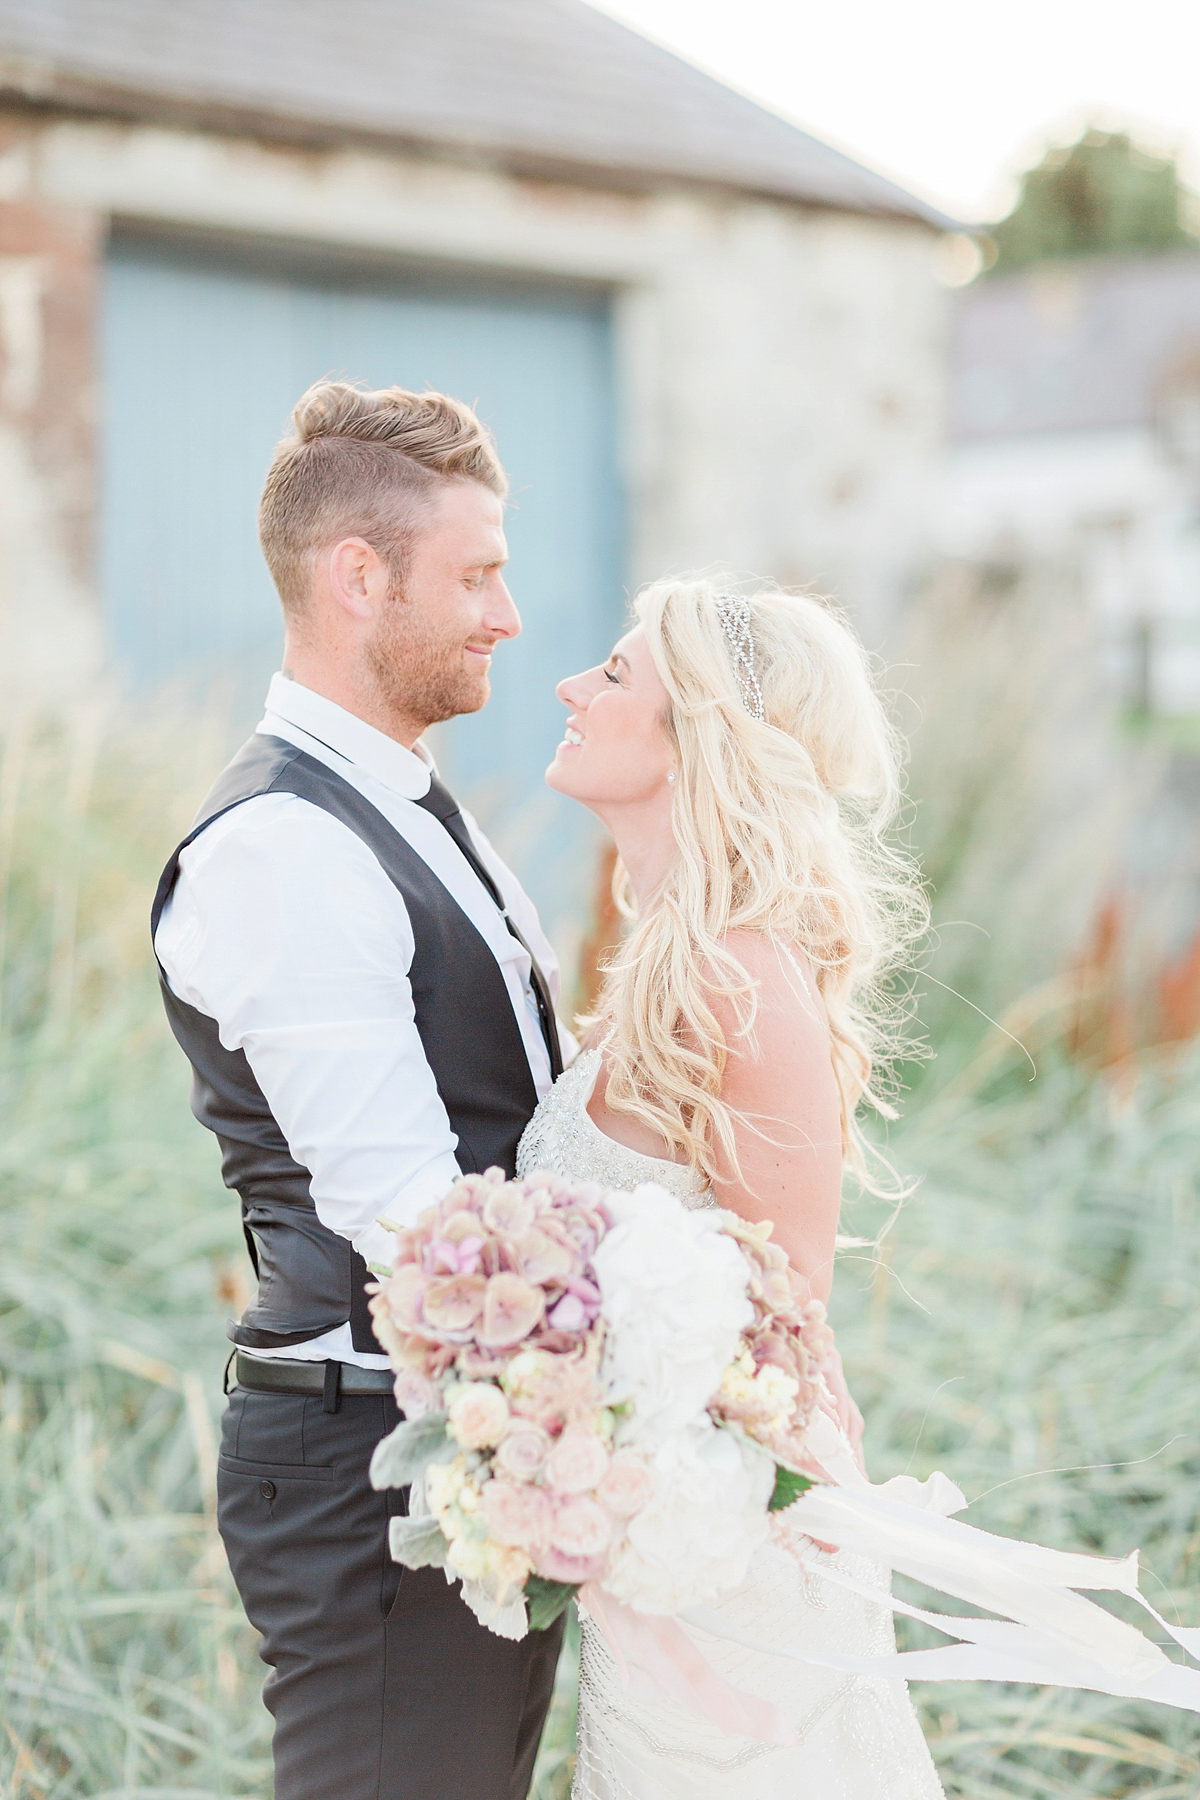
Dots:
(367, 1002)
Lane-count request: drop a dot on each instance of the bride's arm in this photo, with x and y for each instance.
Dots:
(782, 1092)
(791, 1165)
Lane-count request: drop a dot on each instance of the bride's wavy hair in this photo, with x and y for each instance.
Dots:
(783, 826)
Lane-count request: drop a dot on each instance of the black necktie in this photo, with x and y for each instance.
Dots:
(444, 808)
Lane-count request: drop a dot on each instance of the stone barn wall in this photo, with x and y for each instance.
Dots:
(779, 367)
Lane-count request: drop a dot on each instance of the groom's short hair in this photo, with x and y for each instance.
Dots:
(364, 462)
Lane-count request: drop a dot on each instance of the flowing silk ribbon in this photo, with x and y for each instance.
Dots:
(1047, 1634)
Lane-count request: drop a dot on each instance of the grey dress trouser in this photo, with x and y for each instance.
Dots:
(383, 1685)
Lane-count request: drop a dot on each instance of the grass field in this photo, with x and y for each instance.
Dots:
(1031, 1326)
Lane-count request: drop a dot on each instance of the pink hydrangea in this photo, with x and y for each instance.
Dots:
(510, 1210)
(453, 1303)
(786, 1334)
(543, 1257)
(511, 1309)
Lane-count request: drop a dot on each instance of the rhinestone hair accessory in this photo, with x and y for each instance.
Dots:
(734, 614)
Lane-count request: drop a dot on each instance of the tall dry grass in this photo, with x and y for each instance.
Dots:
(1023, 798)
(127, 1667)
(1034, 1309)
(1033, 1327)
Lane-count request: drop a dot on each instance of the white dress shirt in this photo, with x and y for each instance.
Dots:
(283, 927)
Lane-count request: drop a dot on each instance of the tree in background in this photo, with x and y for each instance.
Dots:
(1102, 195)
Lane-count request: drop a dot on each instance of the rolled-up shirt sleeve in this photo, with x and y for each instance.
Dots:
(285, 930)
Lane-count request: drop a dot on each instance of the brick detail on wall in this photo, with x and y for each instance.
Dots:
(50, 269)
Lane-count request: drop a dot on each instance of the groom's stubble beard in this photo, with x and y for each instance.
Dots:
(418, 668)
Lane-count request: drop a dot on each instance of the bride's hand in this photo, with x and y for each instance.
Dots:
(840, 1407)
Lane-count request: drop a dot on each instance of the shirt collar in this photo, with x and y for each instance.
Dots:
(405, 772)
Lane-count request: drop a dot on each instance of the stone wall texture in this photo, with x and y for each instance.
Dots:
(779, 367)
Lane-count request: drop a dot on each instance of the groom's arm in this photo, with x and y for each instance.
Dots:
(285, 930)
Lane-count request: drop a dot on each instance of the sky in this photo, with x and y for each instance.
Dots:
(952, 98)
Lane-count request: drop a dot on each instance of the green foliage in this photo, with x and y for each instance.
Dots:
(546, 1600)
(788, 1487)
(1101, 196)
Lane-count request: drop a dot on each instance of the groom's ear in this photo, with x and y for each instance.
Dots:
(358, 578)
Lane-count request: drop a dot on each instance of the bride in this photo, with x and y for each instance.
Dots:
(739, 755)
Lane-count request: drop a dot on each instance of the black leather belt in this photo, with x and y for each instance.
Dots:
(280, 1375)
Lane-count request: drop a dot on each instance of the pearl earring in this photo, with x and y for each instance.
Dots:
(671, 778)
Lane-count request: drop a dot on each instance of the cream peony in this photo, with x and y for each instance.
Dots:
(444, 1482)
(478, 1415)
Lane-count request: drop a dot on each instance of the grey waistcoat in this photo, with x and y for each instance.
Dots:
(309, 1278)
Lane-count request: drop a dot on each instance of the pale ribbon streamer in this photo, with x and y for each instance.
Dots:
(1048, 1634)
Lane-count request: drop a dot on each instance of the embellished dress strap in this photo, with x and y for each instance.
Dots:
(563, 1136)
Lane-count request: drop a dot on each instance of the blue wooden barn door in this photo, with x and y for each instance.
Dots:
(204, 353)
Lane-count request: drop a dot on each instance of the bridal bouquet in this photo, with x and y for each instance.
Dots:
(598, 1387)
(613, 1392)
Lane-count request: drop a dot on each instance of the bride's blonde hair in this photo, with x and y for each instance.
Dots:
(781, 824)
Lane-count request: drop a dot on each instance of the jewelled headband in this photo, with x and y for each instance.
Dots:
(734, 614)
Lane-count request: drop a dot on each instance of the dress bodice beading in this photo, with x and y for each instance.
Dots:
(562, 1136)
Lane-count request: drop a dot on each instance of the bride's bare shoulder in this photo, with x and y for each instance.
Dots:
(781, 971)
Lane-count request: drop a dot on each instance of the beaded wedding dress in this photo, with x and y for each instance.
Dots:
(858, 1739)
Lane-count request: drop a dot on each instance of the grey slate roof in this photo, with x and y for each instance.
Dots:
(1073, 346)
(550, 86)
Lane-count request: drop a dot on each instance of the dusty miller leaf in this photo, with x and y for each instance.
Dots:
(401, 1456)
(417, 1543)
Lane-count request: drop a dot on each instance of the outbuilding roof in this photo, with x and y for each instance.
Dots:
(1092, 345)
(544, 86)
